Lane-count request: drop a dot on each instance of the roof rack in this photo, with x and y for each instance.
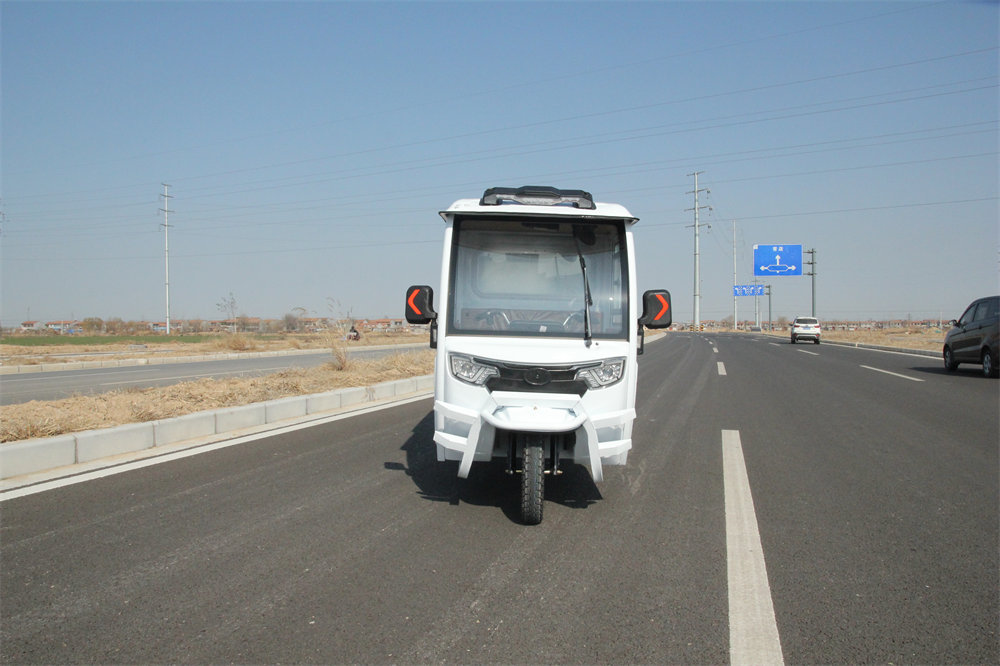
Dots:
(537, 195)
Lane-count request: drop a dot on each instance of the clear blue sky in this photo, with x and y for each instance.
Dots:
(309, 147)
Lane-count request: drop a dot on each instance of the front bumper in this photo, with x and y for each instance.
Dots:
(468, 435)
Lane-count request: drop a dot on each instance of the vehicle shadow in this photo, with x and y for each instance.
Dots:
(488, 484)
(964, 370)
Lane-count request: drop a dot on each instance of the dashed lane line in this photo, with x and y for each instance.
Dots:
(894, 374)
(753, 630)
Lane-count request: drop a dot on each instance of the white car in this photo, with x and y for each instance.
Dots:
(805, 328)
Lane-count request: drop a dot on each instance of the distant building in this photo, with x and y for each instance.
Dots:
(63, 326)
(382, 325)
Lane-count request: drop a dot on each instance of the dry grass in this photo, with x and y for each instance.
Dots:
(237, 342)
(56, 417)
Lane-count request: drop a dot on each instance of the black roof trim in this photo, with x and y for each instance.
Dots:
(537, 195)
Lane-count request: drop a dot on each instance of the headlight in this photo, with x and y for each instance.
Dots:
(471, 371)
(605, 374)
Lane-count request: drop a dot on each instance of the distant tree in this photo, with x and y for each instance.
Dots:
(345, 319)
(92, 325)
(228, 307)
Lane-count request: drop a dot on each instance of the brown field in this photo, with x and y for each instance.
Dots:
(46, 419)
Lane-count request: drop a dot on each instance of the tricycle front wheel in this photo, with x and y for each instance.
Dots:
(532, 481)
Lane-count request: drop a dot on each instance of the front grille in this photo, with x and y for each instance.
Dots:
(538, 378)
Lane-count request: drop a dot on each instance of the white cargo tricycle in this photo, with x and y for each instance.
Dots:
(537, 335)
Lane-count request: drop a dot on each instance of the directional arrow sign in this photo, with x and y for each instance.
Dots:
(777, 259)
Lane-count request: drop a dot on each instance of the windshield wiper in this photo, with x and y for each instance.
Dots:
(588, 301)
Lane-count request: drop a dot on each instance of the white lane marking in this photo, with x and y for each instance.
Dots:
(121, 468)
(753, 630)
(722, 368)
(894, 374)
(715, 349)
(807, 352)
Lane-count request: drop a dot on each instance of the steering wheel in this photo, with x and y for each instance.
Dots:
(495, 320)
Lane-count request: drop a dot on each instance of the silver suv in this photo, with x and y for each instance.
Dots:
(805, 328)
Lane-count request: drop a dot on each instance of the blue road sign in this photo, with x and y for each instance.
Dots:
(777, 259)
(748, 290)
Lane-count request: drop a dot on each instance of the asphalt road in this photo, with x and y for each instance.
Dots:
(57, 384)
(875, 497)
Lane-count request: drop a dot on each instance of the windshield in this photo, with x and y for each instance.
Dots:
(531, 276)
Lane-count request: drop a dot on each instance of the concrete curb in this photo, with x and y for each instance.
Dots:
(32, 456)
(220, 356)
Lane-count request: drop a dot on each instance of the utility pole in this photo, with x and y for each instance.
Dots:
(166, 247)
(770, 320)
(756, 305)
(697, 252)
(736, 321)
(812, 272)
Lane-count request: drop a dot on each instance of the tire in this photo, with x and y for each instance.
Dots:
(989, 367)
(949, 360)
(817, 340)
(793, 339)
(532, 481)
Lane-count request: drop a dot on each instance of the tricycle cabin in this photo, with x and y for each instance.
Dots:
(538, 333)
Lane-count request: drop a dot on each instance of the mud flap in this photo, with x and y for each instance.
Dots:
(596, 469)
(470, 450)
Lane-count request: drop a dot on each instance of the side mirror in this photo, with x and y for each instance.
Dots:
(420, 305)
(656, 311)
(420, 309)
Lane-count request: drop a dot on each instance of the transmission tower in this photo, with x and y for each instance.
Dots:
(697, 252)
